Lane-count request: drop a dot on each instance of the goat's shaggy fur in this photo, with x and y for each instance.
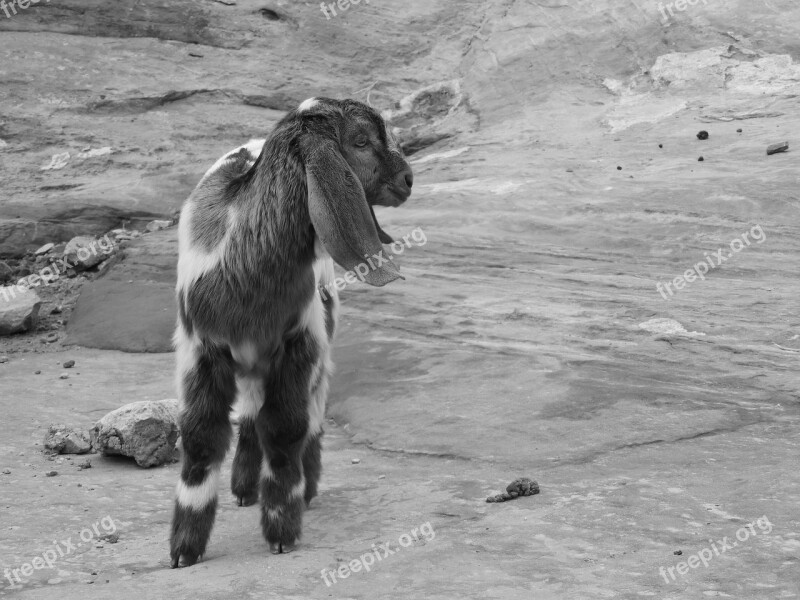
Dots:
(258, 237)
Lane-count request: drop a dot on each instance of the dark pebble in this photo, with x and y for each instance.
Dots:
(69, 364)
(701, 159)
(619, 168)
(51, 473)
(702, 135)
(678, 552)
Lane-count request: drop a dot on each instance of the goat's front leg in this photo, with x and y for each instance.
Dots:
(207, 388)
(283, 429)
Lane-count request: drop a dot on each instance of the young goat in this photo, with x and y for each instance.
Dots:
(258, 237)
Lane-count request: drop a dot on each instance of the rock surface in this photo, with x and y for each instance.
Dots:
(61, 439)
(147, 431)
(19, 310)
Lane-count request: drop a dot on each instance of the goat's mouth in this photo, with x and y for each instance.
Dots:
(384, 237)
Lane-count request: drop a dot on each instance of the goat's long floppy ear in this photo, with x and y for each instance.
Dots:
(342, 218)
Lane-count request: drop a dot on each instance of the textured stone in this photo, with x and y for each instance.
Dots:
(19, 310)
(146, 430)
(61, 439)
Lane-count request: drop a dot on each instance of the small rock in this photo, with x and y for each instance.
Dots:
(381, 476)
(63, 376)
(738, 131)
(6, 471)
(83, 252)
(619, 168)
(661, 145)
(51, 474)
(37, 372)
(157, 225)
(57, 310)
(69, 364)
(61, 439)
(111, 538)
(144, 430)
(701, 159)
(19, 310)
(776, 148)
(87, 464)
(45, 249)
(680, 552)
(58, 161)
(50, 338)
(3, 359)
(6, 272)
(702, 135)
(96, 152)
(355, 461)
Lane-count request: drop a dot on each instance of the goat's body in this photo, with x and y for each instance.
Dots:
(252, 330)
(258, 237)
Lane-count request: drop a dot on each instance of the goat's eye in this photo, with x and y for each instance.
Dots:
(361, 141)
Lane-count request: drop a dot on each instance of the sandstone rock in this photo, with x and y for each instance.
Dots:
(19, 310)
(84, 252)
(147, 431)
(157, 225)
(61, 439)
(431, 114)
(44, 249)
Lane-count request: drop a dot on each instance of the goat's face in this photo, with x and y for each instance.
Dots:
(353, 162)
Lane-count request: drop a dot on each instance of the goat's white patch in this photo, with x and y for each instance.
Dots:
(197, 497)
(254, 147)
(307, 104)
(249, 398)
(299, 490)
(185, 357)
(318, 393)
(245, 354)
(266, 470)
(274, 513)
(193, 262)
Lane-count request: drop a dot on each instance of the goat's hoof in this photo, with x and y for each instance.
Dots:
(188, 559)
(281, 547)
(247, 500)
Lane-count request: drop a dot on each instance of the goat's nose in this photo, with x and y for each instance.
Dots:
(405, 180)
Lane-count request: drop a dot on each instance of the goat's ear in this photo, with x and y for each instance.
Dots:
(342, 218)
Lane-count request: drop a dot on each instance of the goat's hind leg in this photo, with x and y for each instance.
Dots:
(283, 428)
(207, 388)
(249, 454)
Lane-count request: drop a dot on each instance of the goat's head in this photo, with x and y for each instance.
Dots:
(352, 163)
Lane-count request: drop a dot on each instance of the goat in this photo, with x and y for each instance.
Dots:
(257, 241)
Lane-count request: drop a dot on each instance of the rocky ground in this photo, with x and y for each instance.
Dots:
(557, 182)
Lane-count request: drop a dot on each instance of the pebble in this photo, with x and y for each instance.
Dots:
(69, 364)
(45, 249)
(6, 471)
(738, 131)
(702, 135)
(680, 552)
(701, 159)
(355, 461)
(619, 168)
(3, 359)
(63, 376)
(776, 148)
(51, 473)
(37, 372)
(381, 476)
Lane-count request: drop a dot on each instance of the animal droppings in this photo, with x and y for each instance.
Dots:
(519, 487)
